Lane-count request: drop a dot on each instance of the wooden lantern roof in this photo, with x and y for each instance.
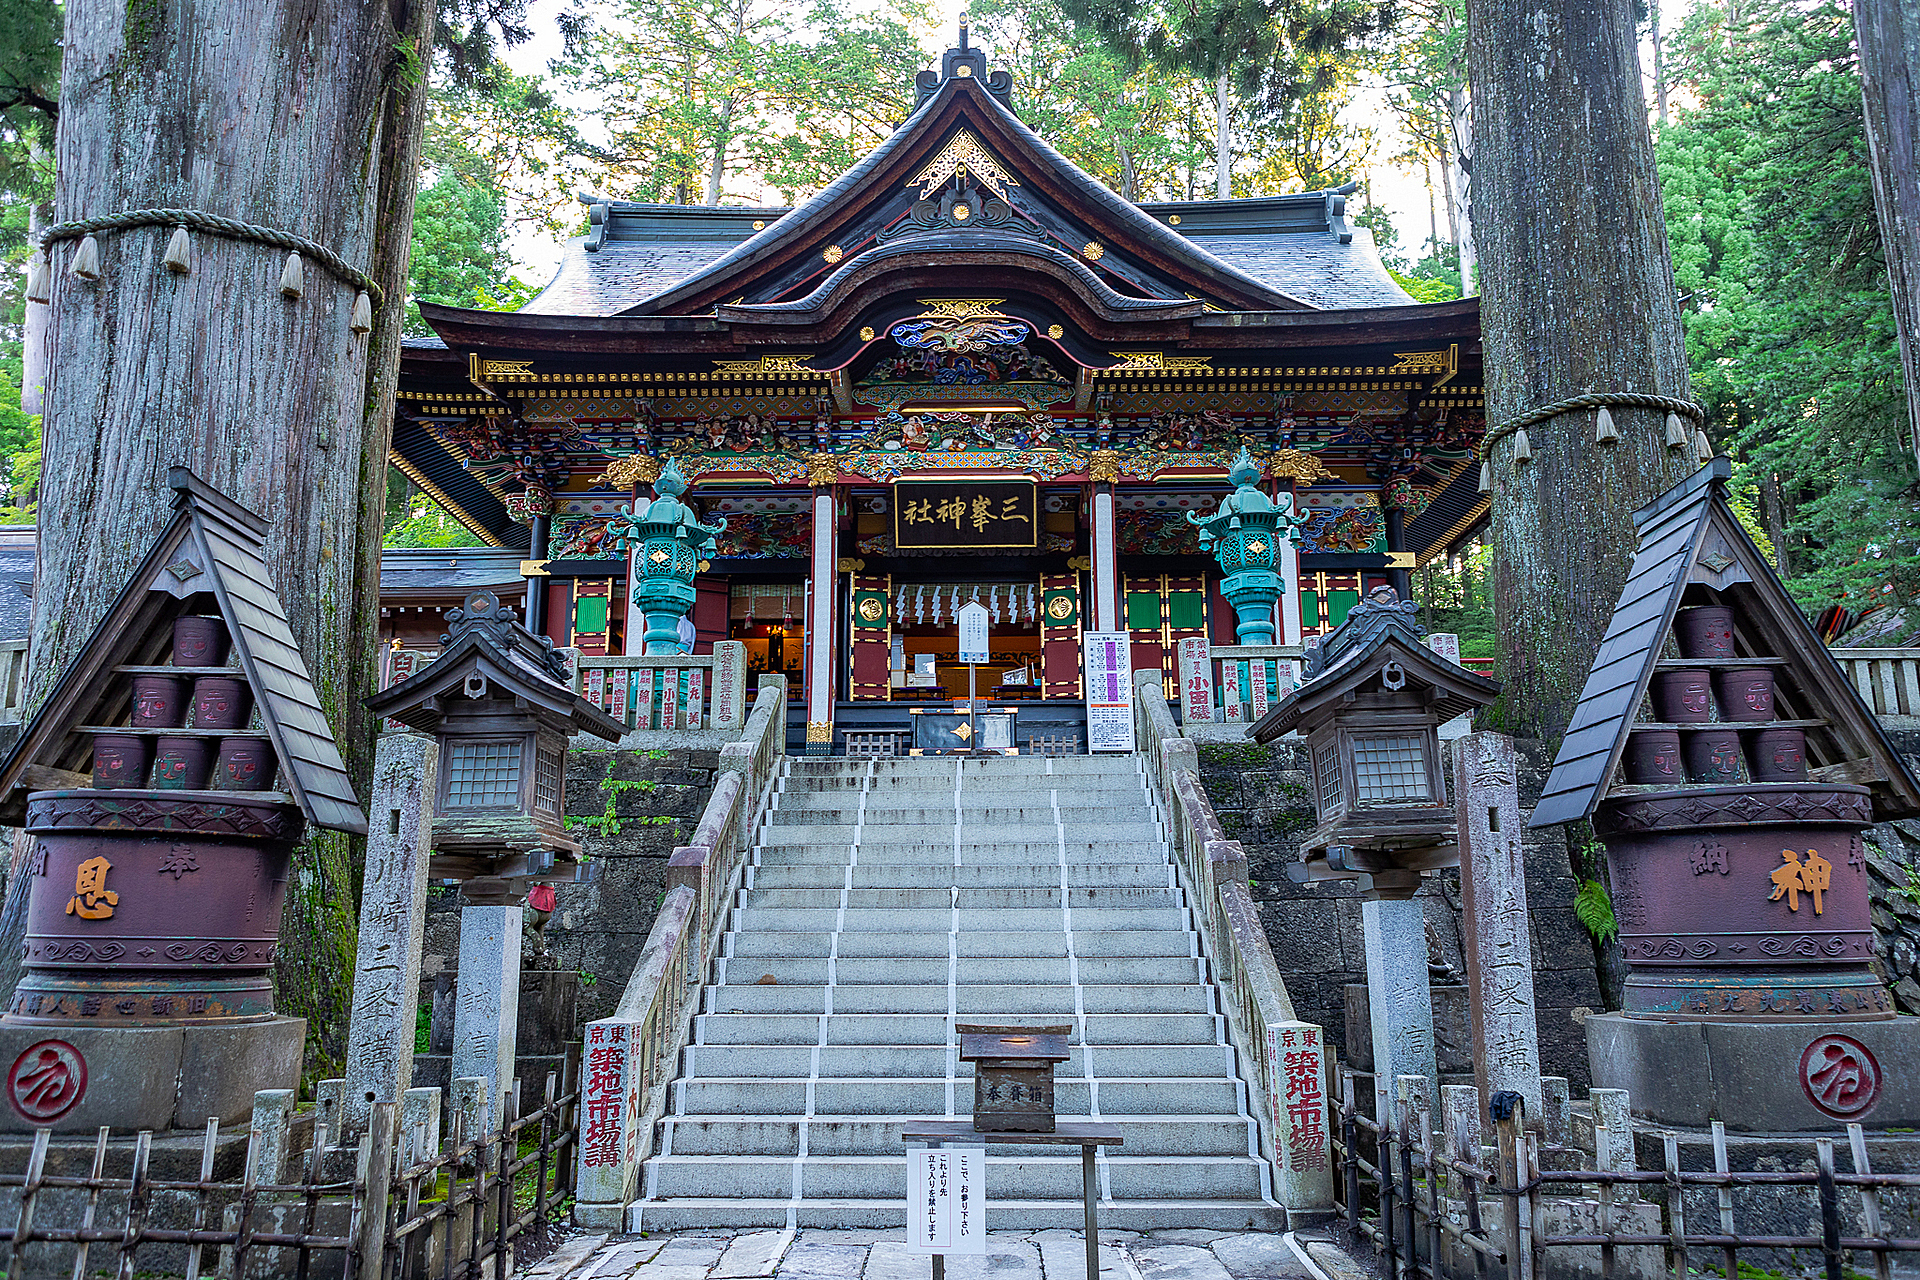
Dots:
(1693, 550)
(1378, 631)
(487, 640)
(214, 547)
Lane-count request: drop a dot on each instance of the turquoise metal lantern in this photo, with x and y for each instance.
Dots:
(668, 544)
(1244, 536)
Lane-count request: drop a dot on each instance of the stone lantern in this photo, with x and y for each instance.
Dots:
(1013, 1075)
(498, 701)
(1371, 708)
(1244, 536)
(669, 543)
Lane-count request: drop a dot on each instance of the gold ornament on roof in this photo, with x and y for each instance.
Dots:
(823, 471)
(833, 253)
(634, 470)
(1055, 331)
(964, 156)
(1093, 250)
(1103, 467)
(959, 308)
(1291, 464)
(866, 333)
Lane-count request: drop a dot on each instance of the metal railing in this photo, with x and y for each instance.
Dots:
(630, 1056)
(1284, 1054)
(392, 1205)
(1434, 1207)
(1888, 679)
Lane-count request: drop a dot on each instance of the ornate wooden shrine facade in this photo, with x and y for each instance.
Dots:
(964, 370)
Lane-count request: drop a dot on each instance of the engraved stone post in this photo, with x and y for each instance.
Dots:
(729, 685)
(1297, 1068)
(419, 1124)
(393, 904)
(1493, 886)
(486, 1009)
(1196, 680)
(1610, 1113)
(1398, 998)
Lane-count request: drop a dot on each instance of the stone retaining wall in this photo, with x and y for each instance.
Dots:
(1260, 794)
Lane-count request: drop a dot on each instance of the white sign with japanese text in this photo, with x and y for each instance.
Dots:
(973, 633)
(1108, 662)
(947, 1200)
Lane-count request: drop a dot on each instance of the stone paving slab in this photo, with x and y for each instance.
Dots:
(1053, 1254)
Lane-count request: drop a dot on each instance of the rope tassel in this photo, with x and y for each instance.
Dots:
(1486, 477)
(1604, 432)
(179, 255)
(293, 280)
(362, 321)
(1522, 447)
(1677, 437)
(39, 279)
(86, 260)
(1702, 448)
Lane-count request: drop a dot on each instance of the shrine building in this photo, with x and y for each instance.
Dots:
(965, 370)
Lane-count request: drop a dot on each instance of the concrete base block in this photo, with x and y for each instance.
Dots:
(1761, 1077)
(162, 1077)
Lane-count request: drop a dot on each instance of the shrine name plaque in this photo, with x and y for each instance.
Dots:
(944, 515)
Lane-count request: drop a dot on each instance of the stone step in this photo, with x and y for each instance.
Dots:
(892, 801)
(1014, 1002)
(903, 1028)
(967, 970)
(888, 1213)
(883, 944)
(966, 877)
(806, 847)
(1223, 1135)
(971, 920)
(897, 1096)
(1026, 1176)
(998, 814)
(1024, 898)
(901, 1061)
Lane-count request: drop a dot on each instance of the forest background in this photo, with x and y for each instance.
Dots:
(1756, 112)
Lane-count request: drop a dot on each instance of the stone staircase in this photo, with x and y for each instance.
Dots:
(887, 900)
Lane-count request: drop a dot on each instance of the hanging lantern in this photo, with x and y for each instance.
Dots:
(293, 279)
(179, 255)
(86, 260)
(1604, 432)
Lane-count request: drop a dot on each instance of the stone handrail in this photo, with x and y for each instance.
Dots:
(1286, 1057)
(630, 1056)
(1888, 679)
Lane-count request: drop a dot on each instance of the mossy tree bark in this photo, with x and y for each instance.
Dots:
(1888, 32)
(305, 117)
(1577, 295)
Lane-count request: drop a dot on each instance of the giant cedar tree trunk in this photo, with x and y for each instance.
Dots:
(1577, 295)
(300, 115)
(1888, 32)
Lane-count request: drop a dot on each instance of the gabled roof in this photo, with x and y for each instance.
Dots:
(214, 546)
(1693, 548)
(485, 638)
(1375, 634)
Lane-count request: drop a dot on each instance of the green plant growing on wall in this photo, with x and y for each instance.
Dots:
(1594, 910)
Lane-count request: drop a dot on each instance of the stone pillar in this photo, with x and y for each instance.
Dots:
(1297, 1073)
(1196, 680)
(271, 1135)
(1499, 937)
(1106, 564)
(486, 1010)
(729, 685)
(1398, 997)
(1287, 624)
(393, 905)
(820, 614)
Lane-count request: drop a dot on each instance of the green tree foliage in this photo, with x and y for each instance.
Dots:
(416, 520)
(1789, 329)
(460, 256)
(1456, 595)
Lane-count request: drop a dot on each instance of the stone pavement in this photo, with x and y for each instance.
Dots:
(879, 1255)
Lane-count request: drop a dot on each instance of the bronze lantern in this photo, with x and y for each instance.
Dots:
(1371, 708)
(1013, 1075)
(499, 703)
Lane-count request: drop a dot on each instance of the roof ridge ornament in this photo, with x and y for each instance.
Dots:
(964, 62)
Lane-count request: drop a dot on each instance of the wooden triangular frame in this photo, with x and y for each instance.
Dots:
(1693, 550)
(213, 547)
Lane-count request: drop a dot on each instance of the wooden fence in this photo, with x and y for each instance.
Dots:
(386, 1205)
(1888, 679)
(1436, 1204)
